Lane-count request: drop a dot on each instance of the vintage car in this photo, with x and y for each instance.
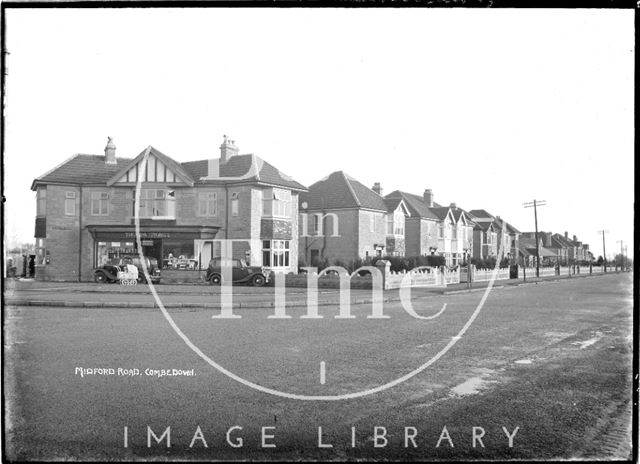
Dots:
(240, 273)
(116, 270)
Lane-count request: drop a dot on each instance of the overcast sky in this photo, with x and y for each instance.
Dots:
(488, 108)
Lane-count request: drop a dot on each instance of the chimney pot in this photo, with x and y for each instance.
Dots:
(110, 152)
(227, 149)
(428, 197)
(377, 188)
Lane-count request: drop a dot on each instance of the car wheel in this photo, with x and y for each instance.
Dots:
(215, 279)
(100, 278)
(258, 281)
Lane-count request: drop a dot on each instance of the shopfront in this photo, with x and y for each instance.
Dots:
(174, 248)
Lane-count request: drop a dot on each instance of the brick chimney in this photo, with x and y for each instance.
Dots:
(227, 149)
(453, 205)
(575, 239)
(110, 152)
(566, 235)
(377, 188)
(428, 197)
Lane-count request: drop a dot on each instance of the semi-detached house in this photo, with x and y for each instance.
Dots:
(85, 212)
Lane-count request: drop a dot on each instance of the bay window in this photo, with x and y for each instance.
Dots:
(275, 253)
(276, 203)
(42, 202)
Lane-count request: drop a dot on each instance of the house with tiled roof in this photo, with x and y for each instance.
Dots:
(492, 235)
(528, 251)
(342, 219)
(86, 211)
(432, 229)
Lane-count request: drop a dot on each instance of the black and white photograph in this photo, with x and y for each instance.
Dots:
(247, 233)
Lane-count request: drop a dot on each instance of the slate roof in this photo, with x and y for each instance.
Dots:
(91, 169)
(415, 203)
(341, 191)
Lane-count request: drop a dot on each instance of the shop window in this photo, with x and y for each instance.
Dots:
(99, 203)
(112, 252)
(42, 202)
(275, 253)
(207, 204)
(179, 255)
(234, 204)
(277, 203)
(70, 203)
(157, 203)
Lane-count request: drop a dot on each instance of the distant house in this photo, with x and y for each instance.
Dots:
(342, 219)
(491, 233)
(422, 225)
(528, 250)
(436, 230)
(455, 234)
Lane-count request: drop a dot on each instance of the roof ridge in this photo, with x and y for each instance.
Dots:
(353, 193)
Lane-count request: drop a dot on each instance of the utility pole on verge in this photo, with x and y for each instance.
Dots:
(535, 204)
(604, 249)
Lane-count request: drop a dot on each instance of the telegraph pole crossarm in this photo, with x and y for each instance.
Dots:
(534, 204)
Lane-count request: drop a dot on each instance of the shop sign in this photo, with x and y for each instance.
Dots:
(148, 235)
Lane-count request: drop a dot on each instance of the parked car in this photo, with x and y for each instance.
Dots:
(108, 273)
(240, 273)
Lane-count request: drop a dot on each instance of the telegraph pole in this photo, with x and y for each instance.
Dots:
(604, 250)
(535, 204)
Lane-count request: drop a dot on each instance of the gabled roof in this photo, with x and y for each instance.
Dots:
(176, 167)
(443, 212)
(340, 191)
(81, 169)
(92, 170)
(415, 204)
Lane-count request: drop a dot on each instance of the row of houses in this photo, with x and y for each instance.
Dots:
(86, 216)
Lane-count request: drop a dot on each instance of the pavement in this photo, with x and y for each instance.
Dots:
(28, 292)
